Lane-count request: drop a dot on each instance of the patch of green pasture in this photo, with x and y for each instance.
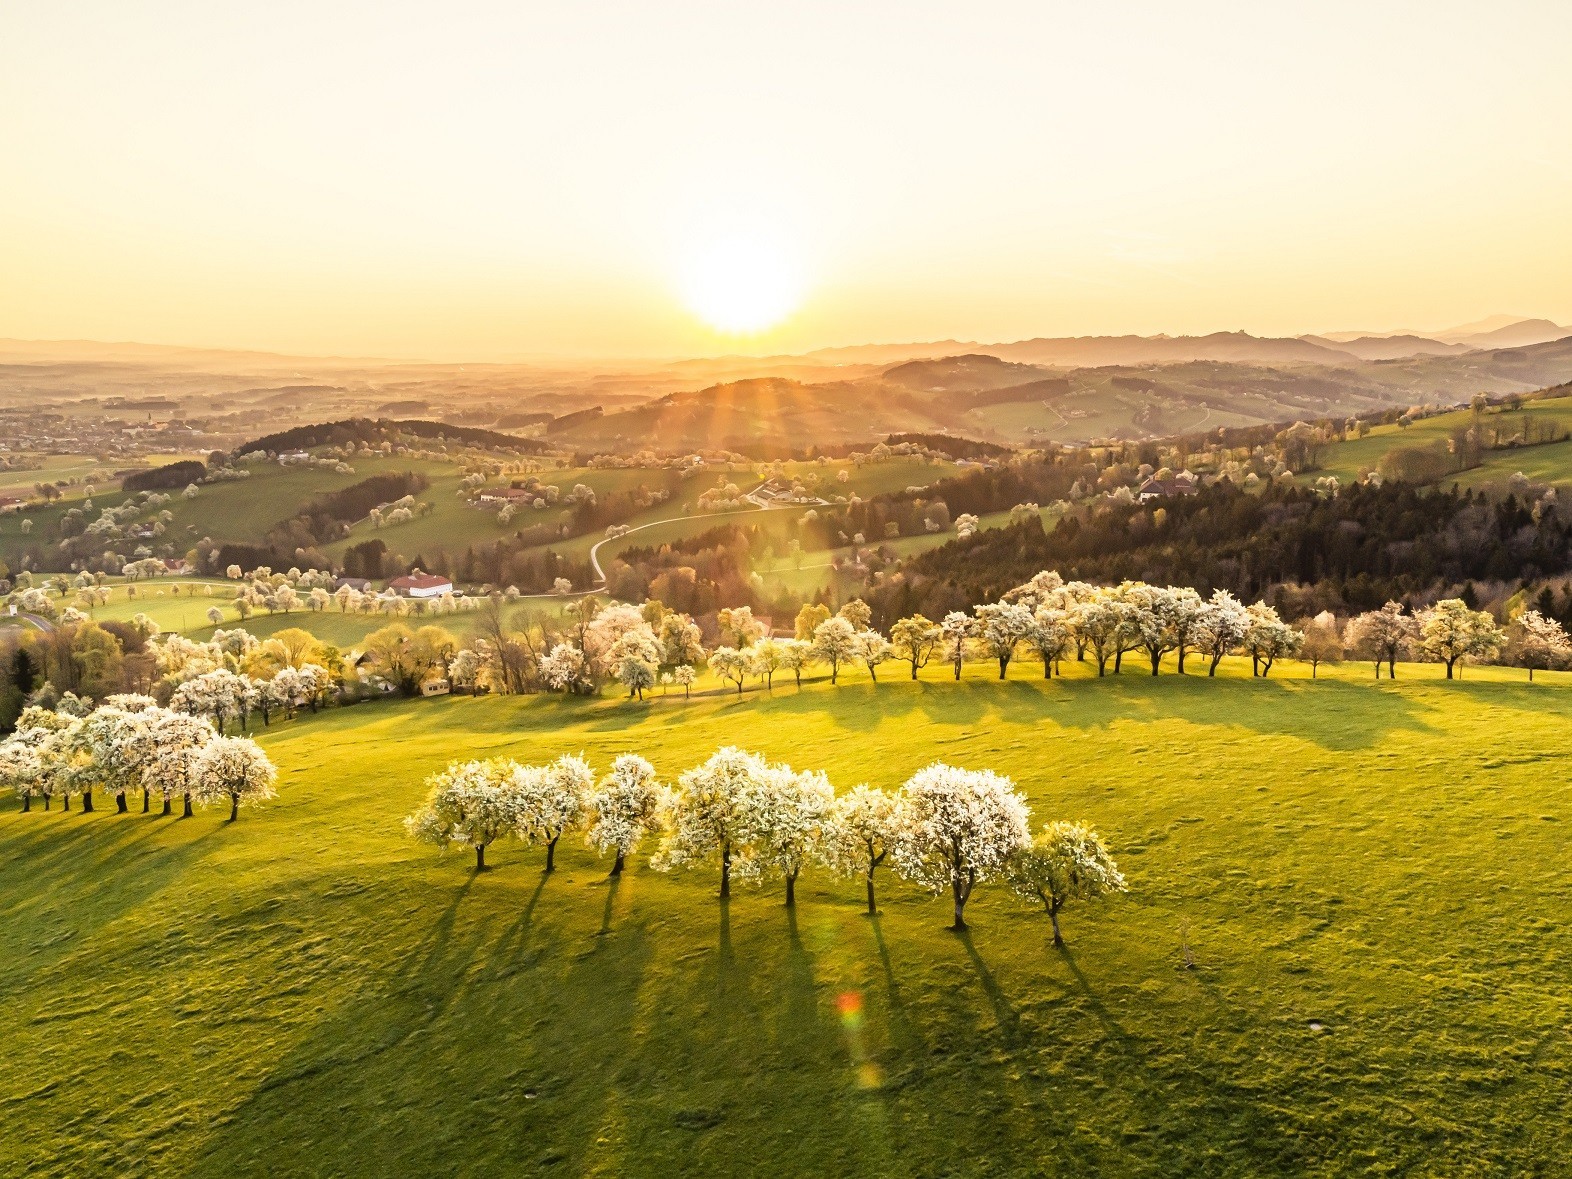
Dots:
(1346, 459)
(1364, 878)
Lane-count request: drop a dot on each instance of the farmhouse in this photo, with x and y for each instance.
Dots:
(421, 585)
(507, 495)
(1154, 488)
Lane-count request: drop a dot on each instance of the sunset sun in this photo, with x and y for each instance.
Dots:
(741, 281)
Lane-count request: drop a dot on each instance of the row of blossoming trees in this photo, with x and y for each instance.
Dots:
(130, 744)
(1047, 618)
(946, 829)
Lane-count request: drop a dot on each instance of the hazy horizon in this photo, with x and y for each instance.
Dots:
(531, 182)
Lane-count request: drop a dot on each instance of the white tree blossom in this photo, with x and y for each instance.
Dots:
(1449, 631)
(705, 814)
(958, 629)
(858, 833)
(1221, 627)
(730, 664)
(1066, 862)
(835, 643)
(783, 815)
(552, 800)
(473, 803)
(627, 806)
(873, 649)
(1268, 638)
(234, 768)
(956, 828)
(1534, 641)
(1383, 635)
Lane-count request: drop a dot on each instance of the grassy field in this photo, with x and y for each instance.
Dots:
(1368, 878)
(1549, 463)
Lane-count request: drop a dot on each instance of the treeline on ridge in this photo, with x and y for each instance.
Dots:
(1301, 550)
(167, 477)
(376, 430)
(323, 517)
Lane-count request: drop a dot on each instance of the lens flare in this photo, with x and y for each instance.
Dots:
(849, 1004)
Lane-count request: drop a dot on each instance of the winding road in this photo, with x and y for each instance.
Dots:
(594, 553)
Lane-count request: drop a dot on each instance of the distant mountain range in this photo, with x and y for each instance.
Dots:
(1165, 387)
(1021, 392)
(1223, 347)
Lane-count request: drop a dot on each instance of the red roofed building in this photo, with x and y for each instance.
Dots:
(421, 585)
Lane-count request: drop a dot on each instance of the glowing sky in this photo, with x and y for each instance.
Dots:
(490, 180)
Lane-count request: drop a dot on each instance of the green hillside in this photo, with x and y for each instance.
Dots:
(1367, 878)
(1548, 463)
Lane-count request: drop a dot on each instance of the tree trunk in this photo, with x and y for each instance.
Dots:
(1004, 663)
(1391, 668)
(957, 667)
(120, 804)
(166, 804)
(872, 908)
(46, 801)
(960, 904)
(234, 807)
(616, 869)
(27, 803)
(873, 675)
(1053, 916)
(1217, 657)
(65, 802)
(1157, 658)
(914, 669)
(1118, 660)
(725, 870)
(791, 890)
(1181, 658)
(1531, 674)
(1047, 669)
(835, 670)
(87, 802)
(187, 813)
(551, 853)
(147, 796)
(480, 857)
(1449, 663)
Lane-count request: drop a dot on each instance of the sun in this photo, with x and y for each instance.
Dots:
(741, 281)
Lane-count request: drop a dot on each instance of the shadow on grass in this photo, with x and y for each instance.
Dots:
(67, 871)
(1334, 714)
(507, 1020)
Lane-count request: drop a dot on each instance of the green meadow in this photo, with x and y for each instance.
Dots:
(1343, 951)
(1543, 463)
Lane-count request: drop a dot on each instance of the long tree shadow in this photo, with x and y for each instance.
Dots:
(69, 878)
(1006, 1018)
(1333, 714)
(908, 1039)
(487, 1013)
